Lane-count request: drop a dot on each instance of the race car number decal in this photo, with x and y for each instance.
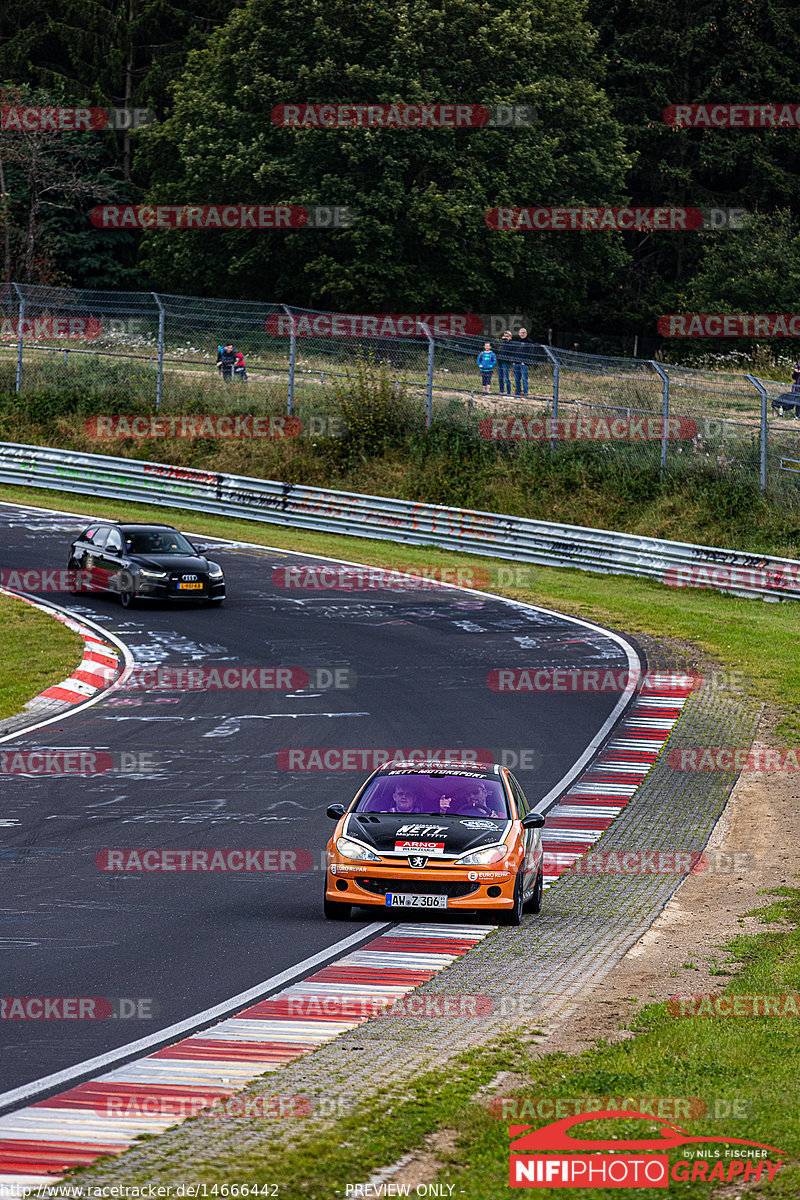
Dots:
(420, 847)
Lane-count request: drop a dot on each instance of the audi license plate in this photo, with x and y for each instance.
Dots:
(190, 587)
(409, 900)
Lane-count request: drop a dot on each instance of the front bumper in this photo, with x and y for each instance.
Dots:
(465, 888)
(166, 589)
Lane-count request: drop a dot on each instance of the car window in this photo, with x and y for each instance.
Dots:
(523, 808)
(158, 541)
(97, 536)
(114, 543)
(422, 794)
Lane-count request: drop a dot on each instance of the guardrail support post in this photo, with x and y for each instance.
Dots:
(160, 375)
(762, 391)
(664, 410)
(554, 410)
(20, 319)
(429, 382)
(292, 361)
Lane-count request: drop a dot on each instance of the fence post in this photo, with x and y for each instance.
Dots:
(762, 391)
(429, 384)
(664, 410)
(20, 319)
(292, 359)
(554, 411)
(160, 374)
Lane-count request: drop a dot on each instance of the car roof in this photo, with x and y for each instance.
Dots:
(131, 525)
(434, 766)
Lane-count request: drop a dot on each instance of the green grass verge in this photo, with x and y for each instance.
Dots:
(37, 651)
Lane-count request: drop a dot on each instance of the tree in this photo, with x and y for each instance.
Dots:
(420, 240)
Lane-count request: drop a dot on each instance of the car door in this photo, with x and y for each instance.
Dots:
(530, 835)
(88, 554)
(111, 560)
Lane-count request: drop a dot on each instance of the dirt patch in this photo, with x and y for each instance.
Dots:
(757, 840)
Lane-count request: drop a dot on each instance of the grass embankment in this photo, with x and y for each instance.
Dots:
(37, 651)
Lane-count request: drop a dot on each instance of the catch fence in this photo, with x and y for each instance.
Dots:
(162, 351)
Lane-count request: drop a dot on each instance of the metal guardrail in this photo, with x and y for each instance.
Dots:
(679, 564)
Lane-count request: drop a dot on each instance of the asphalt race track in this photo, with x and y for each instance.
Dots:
(173, 944)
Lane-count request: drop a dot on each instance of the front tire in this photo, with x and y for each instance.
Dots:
(513, 916)
(336, 911)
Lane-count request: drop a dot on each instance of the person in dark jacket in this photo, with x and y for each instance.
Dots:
(522, 350)
(504, 363)
(226, 360)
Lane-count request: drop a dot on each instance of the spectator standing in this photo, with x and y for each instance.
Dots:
(226, 359)
(487, 361)
(239, 369)
(522, 355)
(796, 376)
(504, 363)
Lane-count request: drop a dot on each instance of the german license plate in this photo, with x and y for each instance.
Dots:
(409, 900)
(190, 587)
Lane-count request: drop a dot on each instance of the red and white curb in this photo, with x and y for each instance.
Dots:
(104, 658)
(584, 813)
(103, 1116)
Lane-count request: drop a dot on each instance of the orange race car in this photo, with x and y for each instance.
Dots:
(436, 836)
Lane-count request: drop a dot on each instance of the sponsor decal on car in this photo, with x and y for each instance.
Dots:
(419, 847)
(422, 830)
(478, 825)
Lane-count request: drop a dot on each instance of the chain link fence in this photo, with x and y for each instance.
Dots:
(161, 352)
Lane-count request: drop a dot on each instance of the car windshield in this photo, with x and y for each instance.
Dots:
(157, 541)
(435, 794)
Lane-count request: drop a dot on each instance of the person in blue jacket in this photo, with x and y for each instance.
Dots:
(487, 361)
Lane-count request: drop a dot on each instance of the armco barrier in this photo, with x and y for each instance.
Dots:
(492, 534)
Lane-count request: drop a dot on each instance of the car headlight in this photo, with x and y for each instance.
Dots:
(480, 858)
(215, 572)
(350, 849)
(152, 574)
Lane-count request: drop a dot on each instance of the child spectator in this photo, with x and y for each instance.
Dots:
(239, 369)
(487, 361)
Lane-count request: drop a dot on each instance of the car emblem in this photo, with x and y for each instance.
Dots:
(416, 860)
(187, 577)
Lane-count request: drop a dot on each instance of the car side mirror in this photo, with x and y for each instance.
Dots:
(200, 549)
(534, 820)
(335, 811)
